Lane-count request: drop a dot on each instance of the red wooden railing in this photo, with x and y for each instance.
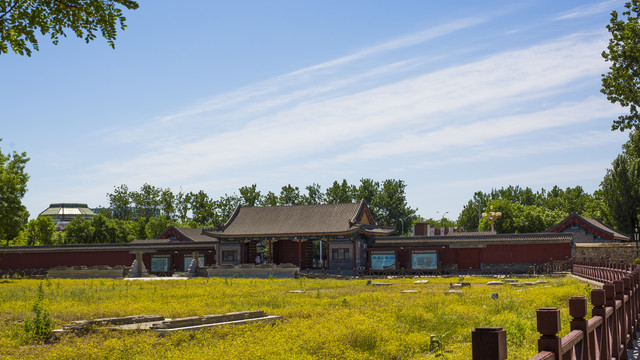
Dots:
(608, 334)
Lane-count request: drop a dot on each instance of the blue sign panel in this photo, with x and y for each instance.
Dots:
(383, 261)
(424, 261)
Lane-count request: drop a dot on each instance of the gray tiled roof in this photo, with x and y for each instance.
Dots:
(321, 219)
(616, 234)
(597, 224)
(188, 234)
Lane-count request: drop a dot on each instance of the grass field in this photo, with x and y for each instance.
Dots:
(331, 319)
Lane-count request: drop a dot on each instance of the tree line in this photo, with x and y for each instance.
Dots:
(616, 203)
(387, 202)
(147, 212)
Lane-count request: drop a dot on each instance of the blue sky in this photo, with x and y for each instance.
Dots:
(451, 97)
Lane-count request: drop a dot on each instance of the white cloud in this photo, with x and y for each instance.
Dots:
(590, 9)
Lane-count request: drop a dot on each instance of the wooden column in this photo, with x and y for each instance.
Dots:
(300, 254)
(354, 256)
(270, 252)
(241, 252)
(489, 343)
(328, 257)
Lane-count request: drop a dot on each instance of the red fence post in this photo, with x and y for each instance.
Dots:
(578, 311)
(489, 343)
(598, 300)
(548, 322)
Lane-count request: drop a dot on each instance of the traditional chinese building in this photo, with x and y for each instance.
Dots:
(341, 232)
(587, 230)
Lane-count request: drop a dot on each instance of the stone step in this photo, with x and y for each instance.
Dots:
(209, 319)
(264, 319)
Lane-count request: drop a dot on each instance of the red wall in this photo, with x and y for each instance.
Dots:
(467, 258)
(53, 259)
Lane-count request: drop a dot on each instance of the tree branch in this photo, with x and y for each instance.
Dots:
(10, 9)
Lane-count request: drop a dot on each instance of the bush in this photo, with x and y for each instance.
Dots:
(39, 328)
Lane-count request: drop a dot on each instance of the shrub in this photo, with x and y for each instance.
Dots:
(39, 328)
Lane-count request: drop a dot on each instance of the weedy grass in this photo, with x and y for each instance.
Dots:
(330, 319)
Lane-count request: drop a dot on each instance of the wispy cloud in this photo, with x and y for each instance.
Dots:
(590, 9)
(332, 123)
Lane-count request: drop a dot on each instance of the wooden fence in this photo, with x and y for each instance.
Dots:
(608, 334)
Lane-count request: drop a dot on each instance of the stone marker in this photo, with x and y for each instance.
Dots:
(494, 296)
(296, 291)
(409, 291)
(380, 284)
(495, 283)
(515, 284)
(510, 281)
(530, 283)
(456, 292)
(421, 282)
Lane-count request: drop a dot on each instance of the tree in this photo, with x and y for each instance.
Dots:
(469, 218)
(622, 83)
(120, 203)
(270, 199)
(225, 208)
(183, 204)
(79, 231)
(314, 195)
(290, 195)
(167, 202)
(369, 191)
(22, 20)
(41, 231)
(340, 193)
(13, 187)
(392, 206)
(621, 192)
(147, 201)
(203, 208)
(104, 231)
(250, 196)
(158, 225)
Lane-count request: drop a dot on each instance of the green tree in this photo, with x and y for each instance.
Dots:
(290, 195)
(104, 230)
(340, 193)
(147, 201)
(369, 191)
(469, 218)
(41, 231)
(225, 207)
(13, 187)
(314, 195)
(167, 203)
(120, 203)
(621, 192)
(203, 209)
(622, 83)
(183, 204)
(79, 231)
(21, 21)
(158, 225)
(139, 229)
(392, 206)
(123, 231)
(270, 199)
(250, 196)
